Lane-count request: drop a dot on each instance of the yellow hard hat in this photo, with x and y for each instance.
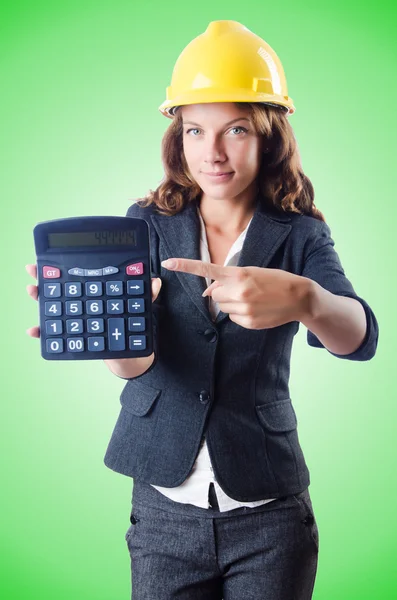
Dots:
(227, 63)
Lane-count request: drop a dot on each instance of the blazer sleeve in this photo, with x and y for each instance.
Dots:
(322, 264)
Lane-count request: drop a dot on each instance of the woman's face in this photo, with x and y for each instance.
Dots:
(220, 138)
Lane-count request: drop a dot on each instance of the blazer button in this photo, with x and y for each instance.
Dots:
(204, 396)
(211, 335)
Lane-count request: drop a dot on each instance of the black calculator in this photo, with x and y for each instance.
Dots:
(94, 288)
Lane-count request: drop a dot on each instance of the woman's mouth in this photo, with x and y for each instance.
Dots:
(219, 176)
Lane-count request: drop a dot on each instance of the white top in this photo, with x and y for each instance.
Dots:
(194, 490)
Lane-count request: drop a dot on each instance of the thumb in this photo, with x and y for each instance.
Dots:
(211, 288)
(156, 287)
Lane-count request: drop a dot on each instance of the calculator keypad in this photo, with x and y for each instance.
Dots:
(94, 307)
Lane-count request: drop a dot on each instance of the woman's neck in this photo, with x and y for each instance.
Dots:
(227, 217)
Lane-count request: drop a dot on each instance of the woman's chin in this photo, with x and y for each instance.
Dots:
(220, 190)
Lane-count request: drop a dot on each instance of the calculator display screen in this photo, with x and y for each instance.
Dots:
(92, 238)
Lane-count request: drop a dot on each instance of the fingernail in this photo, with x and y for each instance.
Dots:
(169, 264)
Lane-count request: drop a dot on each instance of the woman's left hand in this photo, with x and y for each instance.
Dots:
(254, 297)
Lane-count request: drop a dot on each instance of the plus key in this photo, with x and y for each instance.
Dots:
(116, 335)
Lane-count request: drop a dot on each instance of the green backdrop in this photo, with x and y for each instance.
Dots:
(81, 83)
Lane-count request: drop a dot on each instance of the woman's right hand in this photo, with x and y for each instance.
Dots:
(33, 292)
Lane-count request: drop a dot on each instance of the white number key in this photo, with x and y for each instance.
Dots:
(94, 307)
(53, 309)
(74, 308)
(52, 290)
(75, 344)
(53, 327)
(93, 288)
(54, 345)
(73, 289)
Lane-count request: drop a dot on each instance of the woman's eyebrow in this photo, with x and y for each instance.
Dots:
(225, 125)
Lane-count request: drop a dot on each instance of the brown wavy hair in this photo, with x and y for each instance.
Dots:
(282, 183)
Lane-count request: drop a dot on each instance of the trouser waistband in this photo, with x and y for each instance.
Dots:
(144, 494)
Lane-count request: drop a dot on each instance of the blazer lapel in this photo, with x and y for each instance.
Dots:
(180, 235)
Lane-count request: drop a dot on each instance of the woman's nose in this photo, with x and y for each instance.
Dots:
(214, 153)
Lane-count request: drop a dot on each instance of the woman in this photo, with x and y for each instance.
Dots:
(221, 507)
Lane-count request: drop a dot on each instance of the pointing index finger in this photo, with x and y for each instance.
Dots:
(198, 267)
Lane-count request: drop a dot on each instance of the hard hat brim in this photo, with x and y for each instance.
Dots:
(206, 96)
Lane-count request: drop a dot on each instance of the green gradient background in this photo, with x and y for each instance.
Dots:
(81, 133)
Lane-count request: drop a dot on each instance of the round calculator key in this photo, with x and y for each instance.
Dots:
(93, 288)
(75, 344)
(53, 327)
(96, 344)
(74, 325)
(73, 289)
(52, 290)
(137, 342)
(95, 326)
(54, 345)
(74, 308)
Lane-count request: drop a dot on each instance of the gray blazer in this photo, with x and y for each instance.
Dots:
(218, 378)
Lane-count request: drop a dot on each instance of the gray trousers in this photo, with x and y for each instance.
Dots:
(181, 551)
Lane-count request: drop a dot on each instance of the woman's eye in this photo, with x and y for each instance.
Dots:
(241, 129)
(233, 128)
